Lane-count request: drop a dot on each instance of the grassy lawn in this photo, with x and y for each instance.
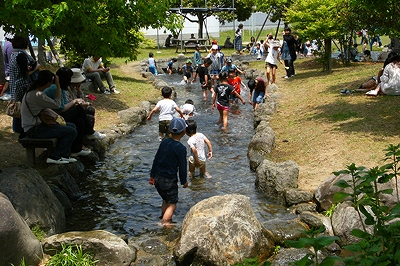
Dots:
(324, 131)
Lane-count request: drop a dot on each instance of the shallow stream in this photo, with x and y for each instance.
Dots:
(118, 198)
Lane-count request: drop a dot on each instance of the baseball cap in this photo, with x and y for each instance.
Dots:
(229, 60)
(189, 61)
(214, 47)
(177, 125)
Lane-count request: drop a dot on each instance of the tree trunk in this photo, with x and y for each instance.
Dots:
(41, 53)
(328, 54)
(201, 23)
(54, 51)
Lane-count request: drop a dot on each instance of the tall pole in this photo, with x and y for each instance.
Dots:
(234, 35)
(158, 43)
(181, 30)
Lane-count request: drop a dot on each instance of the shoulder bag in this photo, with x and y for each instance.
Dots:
(13, 109)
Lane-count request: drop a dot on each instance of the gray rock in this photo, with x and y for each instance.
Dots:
(60, 177)
(62, 198)
(303, 207)
(286, 256)
(222, 230)
(260, 145)
(133, 116)
(33, 199)
(107, 248)
(344, 219)
(295, 196)
(315, 220)
(17, 241)
(324, 193)
(275, 178)
(154, 246)
(285, 230)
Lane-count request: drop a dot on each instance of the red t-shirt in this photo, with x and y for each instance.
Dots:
(235, 82)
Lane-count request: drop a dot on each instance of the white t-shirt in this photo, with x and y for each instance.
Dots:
(89, 63)
(188, 109)
(197, 141)
(272, 56)
(167, 109)
(152, 62)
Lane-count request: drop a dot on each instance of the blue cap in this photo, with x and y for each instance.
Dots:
(177, 125)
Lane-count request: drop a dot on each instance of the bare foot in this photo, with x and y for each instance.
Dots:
(206, 175)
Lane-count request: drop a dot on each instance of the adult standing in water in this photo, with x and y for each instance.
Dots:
(288, 51)
(238, 38)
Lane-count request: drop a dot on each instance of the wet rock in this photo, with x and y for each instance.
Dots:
(222, 230)
(155, 260)
(33, 199)
(286, 230)
(155, 247)
(62, 198)
(287, 256)
(295, 196)
(107, 248)
(304, 207)
(17, 241)
(60, 177)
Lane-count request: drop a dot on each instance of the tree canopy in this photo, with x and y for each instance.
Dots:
(101, 27)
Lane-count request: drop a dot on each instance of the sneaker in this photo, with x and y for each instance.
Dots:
(59, 161)
(115, 91)
(285, 77)
(372, 93)
(69, 159)
(106, 92)
(81, 153)
(96, 135)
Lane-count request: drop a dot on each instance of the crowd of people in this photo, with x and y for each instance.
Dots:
(37, 91)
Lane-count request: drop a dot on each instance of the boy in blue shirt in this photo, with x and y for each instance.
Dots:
(170, 160)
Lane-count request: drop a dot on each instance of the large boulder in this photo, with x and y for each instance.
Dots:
(17, 241)
(107, 248)
(275, 178)
(295, 196)
(222, 230)
(33, 199)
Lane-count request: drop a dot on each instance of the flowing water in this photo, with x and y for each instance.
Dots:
(118, 198)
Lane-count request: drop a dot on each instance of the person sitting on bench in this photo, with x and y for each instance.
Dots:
(33, 102)
(74, 112)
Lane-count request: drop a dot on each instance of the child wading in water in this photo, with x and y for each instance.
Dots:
(204, 76)
(167, 108)
(221, 99)
(169, 160)
(152, 64)
(197, 143)
(188, 109)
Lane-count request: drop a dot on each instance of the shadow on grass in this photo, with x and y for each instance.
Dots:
(377, 116)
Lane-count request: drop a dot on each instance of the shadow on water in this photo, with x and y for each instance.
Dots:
(119, 199)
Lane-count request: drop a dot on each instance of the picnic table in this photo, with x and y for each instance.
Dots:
(191, 43)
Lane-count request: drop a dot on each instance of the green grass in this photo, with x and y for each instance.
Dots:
(71, 255)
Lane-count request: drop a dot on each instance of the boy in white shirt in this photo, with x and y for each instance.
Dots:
(188, 109)
(167, 109)
(197, 143)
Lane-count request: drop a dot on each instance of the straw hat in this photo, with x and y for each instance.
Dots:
(77, 76)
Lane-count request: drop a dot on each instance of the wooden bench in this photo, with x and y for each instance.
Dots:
(30, 144)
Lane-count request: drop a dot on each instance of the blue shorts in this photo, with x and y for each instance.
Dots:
(167, 188)
(214, 72)
(258, 96)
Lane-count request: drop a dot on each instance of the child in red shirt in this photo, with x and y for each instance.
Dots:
(235, 81)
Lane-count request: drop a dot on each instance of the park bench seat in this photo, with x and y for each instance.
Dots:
(30, 144)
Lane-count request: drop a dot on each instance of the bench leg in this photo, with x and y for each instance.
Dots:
(30, 156)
